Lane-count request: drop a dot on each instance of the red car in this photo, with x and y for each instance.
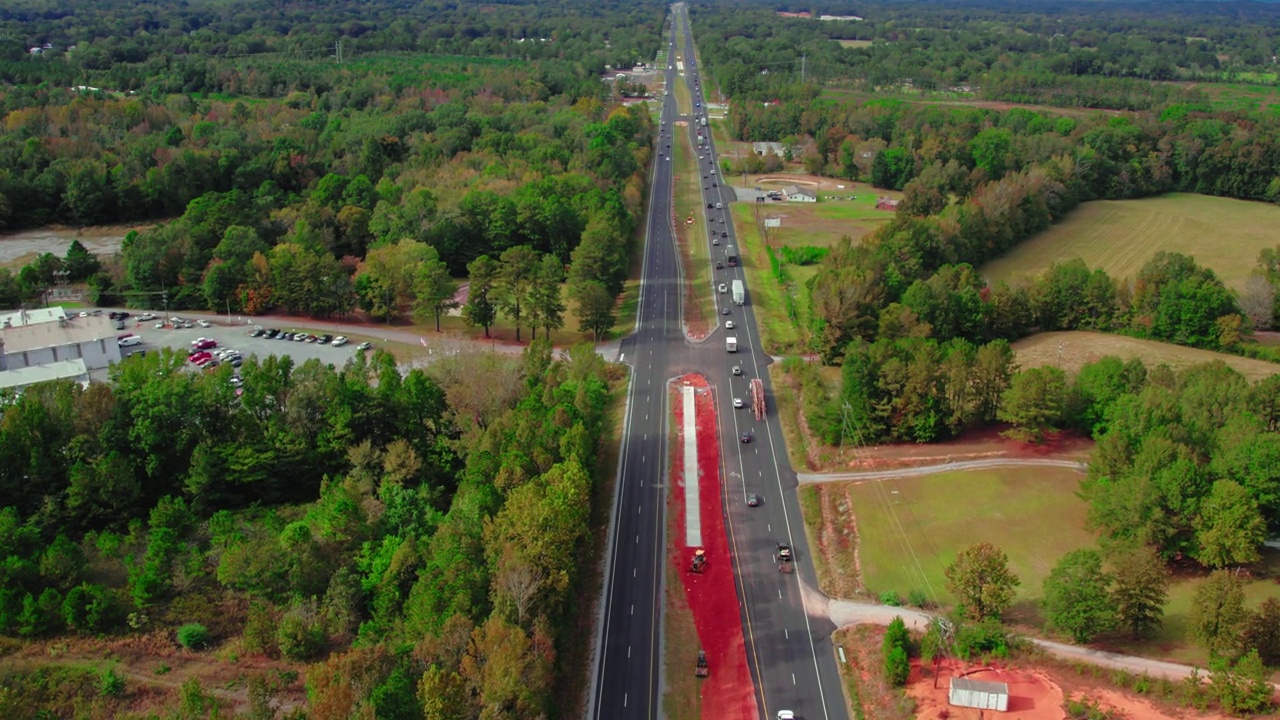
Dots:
(201, 358)
(206, 344)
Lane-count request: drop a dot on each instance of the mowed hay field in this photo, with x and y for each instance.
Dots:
(1120, 236)
(1079, 348)
(1033, 514)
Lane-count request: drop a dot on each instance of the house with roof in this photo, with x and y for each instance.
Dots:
(795, 193)
(38, 339)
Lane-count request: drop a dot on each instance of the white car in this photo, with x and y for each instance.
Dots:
(204, 323)
(340, 341)
(728, 324)
(737, 403)
(786, 715)
(724, 288)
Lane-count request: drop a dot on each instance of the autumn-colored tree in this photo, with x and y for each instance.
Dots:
(980, 581)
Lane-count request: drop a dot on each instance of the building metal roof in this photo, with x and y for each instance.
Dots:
(32, 317)
(71, 331)
(995, 688)
(65, 369)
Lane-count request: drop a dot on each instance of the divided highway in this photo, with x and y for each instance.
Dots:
(790, 654)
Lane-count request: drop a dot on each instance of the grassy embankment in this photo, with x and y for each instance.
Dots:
(695, 258)
(1120, 236)
(909, 529)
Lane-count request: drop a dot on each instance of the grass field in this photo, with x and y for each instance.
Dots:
(854, 43)
(778, 333)
(848, 210)
(1080, 348)
(699, 307)
(1120, 236)
(1034, 515)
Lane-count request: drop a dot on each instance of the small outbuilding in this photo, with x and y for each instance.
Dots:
(978, 694)
(886, 203)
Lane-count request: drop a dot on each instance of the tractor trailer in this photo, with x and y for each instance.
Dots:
(739, 293)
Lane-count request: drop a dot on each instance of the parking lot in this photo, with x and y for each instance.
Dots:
(236, 337)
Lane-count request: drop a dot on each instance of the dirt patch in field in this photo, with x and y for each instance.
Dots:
(974, 445)
(22, 247)
(1035, 693)
(726, 691)
(154, 667)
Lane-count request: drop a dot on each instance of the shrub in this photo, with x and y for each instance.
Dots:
(918, 598)
(193, 636)
(889, 597)
(897, 667)
(300, 633)
(112, 685)
(987, 638)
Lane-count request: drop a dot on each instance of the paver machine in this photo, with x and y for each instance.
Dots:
(701, 670)
(699, 563)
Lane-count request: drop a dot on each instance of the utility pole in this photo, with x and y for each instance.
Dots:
(337, 51)
(803, 62)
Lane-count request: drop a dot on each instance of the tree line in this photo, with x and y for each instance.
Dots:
(435, 523)
(1075, 55)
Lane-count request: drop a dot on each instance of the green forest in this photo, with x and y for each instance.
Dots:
(420, 536)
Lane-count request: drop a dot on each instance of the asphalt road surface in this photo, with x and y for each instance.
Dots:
(790, 654)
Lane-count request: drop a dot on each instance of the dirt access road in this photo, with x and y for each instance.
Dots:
(813, 478)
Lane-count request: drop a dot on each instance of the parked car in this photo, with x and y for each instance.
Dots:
(207, 343)
(204, 323)
(147, 317)
(364, 346)
(200, 356)
(324, 339)
(270, 334)
(256, 332)
(340, 341)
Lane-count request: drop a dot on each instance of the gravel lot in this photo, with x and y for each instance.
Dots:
(236, 337)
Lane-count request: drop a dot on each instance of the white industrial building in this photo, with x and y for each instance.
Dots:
(49, 338)
(63, 370)
(795, 193)
(978, 694)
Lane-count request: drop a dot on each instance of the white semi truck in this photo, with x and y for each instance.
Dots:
(739, 293)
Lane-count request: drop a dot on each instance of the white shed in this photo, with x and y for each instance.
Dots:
(979, 694)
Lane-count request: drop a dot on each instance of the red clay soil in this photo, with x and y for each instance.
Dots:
(1035, 693)
(727, 692)
(973, 445)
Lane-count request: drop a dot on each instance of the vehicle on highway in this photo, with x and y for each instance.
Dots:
(724, 288)
(728, 324)
(731, 344)
(746, 437)
(720, 266)
(786, 715)
(737, 403)
(753, 500)
(737, 369)
(783, 557)
(715, 241)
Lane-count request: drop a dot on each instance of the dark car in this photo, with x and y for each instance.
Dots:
(753, 500)
(719, 265)
(324, 339)
(724, 310)
(746, 437)
(271, 333)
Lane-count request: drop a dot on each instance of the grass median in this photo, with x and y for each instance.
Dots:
(780, 333)
(695, 258)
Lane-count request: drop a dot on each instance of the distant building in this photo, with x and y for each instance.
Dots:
(885, 203)
(766, 148)
(978, 694)
(62, 370)
(795, 193)
(90, 339)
